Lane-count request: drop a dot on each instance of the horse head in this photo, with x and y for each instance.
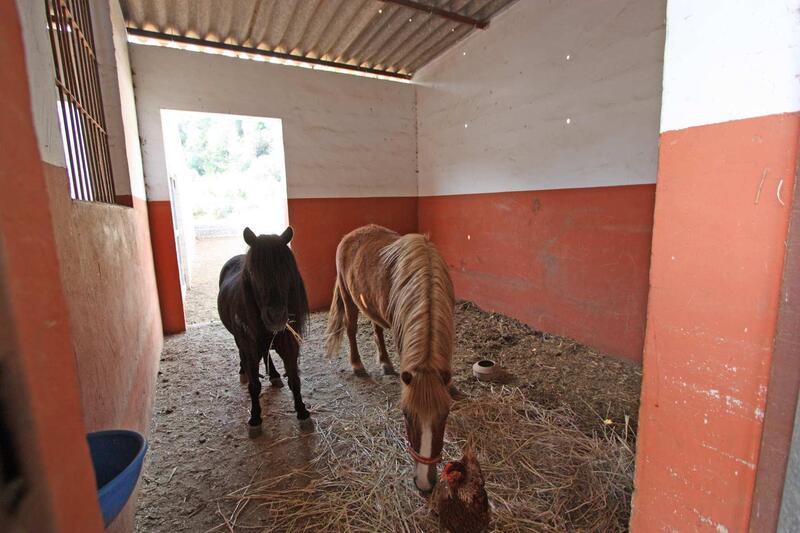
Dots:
(271, 275)
(425, 402)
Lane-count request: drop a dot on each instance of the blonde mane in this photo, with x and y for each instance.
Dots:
(421, 313)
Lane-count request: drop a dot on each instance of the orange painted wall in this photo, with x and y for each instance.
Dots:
(572, 262)
(107, 269)
(165, 255)
(718, 251)
(320, 223)
(783, 390)
(40, 377)
(106, 266)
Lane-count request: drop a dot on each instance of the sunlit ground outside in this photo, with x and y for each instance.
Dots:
(226, 172)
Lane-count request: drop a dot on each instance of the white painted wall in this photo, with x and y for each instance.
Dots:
(125, 141)
(116, 86)
(745, 54)
(41, 80)
(514, 88)
(344, 136)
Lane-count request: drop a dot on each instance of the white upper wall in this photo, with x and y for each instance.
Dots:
(127, 102)
(344, 136)
(730, 59)
(116, 88)
(541, 63)
(41, 80)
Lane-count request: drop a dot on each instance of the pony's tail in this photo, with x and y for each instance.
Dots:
(335, 328)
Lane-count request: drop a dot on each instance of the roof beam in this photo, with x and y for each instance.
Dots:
(444, 13)
(257, 51)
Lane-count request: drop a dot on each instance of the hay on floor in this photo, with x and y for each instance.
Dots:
(542, 473)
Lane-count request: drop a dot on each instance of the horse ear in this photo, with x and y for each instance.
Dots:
(287, 235)
(406, 377)
(446, 376)
(249, 237)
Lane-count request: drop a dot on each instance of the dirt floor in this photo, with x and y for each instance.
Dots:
(200, 450)
(552, 371)
(209, 256)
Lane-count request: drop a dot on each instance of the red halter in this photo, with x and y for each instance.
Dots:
(416, 456)
(424, 460)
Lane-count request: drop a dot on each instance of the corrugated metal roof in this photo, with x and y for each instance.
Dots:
(382, 36)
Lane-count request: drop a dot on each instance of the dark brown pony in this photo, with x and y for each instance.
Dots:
(401, 282)
(259, 294)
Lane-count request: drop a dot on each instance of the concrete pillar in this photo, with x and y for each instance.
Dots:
(727, 166)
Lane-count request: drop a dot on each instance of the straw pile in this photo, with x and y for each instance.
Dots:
(542, 473)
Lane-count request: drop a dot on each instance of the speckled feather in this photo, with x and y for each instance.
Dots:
(465, 507)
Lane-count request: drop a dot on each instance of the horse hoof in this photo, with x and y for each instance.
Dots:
(243, 379)
(389, 371)
(254, 431)
(307, 425)
(303, 414)
(276, 382)
(361, 372)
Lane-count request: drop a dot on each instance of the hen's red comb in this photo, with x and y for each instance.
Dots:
(449, 472)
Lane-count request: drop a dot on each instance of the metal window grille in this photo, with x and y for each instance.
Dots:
(80, 105)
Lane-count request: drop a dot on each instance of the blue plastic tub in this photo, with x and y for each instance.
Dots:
(117, 456)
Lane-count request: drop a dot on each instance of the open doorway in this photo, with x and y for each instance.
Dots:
(225, 172)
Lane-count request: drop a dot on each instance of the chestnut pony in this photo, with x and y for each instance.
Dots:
(402, 283)
(259, 294)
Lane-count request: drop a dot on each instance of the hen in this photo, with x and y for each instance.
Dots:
(460, 498)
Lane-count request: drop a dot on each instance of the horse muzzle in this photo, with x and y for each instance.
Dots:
(274, 318)
(424, 466)
(424, 492)
(274, 329)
